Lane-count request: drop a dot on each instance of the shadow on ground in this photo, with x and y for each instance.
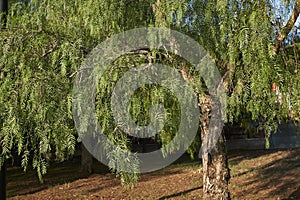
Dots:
(180, 193)
(272, 174)
(267, 174)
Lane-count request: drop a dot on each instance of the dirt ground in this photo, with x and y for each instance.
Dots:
(254, 175)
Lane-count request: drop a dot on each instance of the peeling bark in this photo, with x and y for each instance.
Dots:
(215, 165)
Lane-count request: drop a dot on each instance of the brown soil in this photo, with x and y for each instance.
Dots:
(254, 175)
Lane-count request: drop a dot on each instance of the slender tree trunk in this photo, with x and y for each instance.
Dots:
(215, 166)
(86, 160)
(3, 180)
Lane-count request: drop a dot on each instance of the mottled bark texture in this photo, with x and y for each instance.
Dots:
(215, 166)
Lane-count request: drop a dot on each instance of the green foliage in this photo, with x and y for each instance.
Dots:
(241, 38)
(45, 43)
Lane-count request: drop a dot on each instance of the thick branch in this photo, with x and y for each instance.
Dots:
(283, 32)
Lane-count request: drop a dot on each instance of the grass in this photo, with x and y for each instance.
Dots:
(254, 175)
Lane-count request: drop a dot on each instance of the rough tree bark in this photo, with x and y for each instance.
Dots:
(215, 166)
(86, 161)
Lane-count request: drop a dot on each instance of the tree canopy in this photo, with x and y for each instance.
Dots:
(45, 42)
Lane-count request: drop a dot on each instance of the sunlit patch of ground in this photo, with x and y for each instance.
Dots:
(255, 175)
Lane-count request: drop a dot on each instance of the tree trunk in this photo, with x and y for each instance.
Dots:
(3, 181)
(86, 161)
(215, 165)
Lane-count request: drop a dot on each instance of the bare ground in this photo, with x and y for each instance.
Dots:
(254, 175)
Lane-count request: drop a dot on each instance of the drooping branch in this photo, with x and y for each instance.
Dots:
(283, 32)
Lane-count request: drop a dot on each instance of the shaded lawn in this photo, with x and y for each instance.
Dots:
(254, 175)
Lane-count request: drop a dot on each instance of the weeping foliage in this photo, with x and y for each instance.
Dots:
(143, 101)
(241, 37)
(43, 46)
(45, 43)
